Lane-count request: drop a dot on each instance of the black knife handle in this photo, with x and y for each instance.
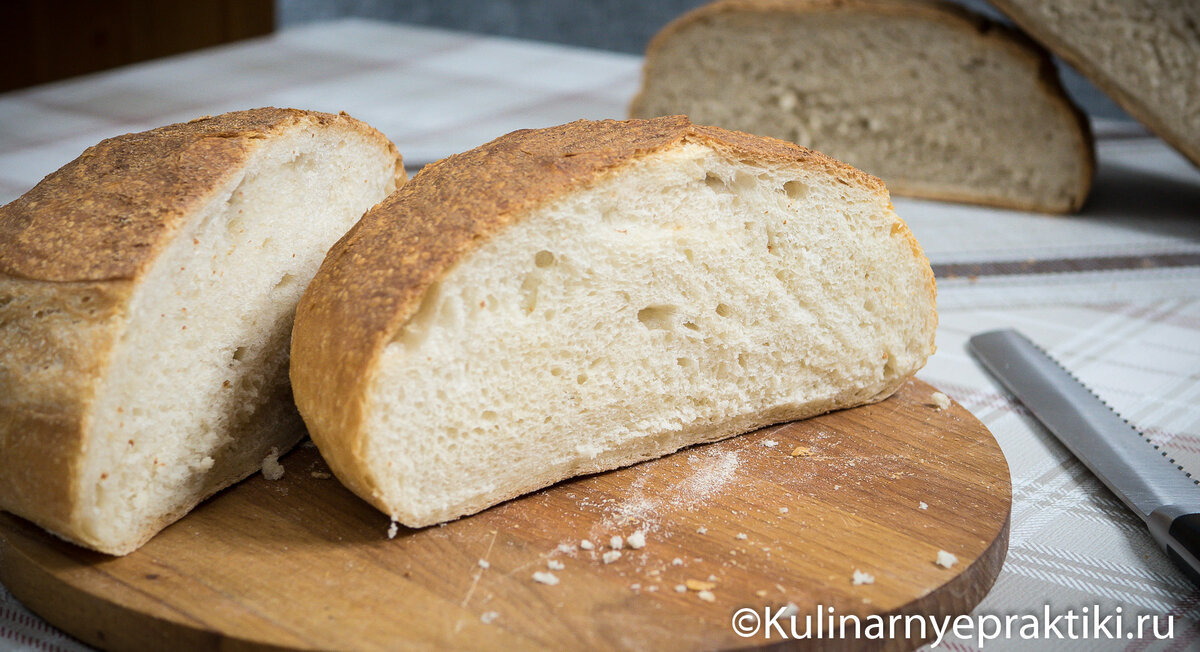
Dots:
(1178, 531)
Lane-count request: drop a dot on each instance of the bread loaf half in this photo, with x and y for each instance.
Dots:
(147, 291)
(936, 101)
(568, 300)
(1145, 55)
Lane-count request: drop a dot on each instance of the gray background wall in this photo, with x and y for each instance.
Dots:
(619, 25)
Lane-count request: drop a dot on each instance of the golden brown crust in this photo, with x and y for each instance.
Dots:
(949, 13)
(106, 214)
(374, 279)
(1135, 103)
(72, 251)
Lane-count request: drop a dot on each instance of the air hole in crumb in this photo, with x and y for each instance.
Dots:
(490, 415)
(549, 314)
(556, 371)
(543, 258)
(684, 362)
(239, 353)
(782, 275)
(690, 325)
(691, 257)
(661, 317)
(581, 378)
(285, 281)
(742, 359)
(723, 310)
(795, 190)
(715, 182)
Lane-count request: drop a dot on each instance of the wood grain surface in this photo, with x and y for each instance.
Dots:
(302, 563)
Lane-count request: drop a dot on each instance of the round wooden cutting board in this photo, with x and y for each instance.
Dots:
(783, 515)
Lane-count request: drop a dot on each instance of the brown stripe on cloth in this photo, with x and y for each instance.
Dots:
(1059, 265)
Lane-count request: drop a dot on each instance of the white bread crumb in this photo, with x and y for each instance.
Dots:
(862, 578)
(707, 596)
(946, 559)
(712, 578)
(940, 400)
(545, 578)
(320, 475)
(484, 564)
(697, 585)
(770, 443)
(611, 556)
(636, 587)
(677, 562)
(679, 588)
(615, 543)
(392, 530)
(761, 593)
(783, 510)
(923, 505)
(741, 536)
(566, 548)
(555, 564)
(271, 468)
(701, 530)
(652, 588)
(637, 540)
(586, 545)
(488, 617)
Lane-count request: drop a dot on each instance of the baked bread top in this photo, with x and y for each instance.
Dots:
(107, 214)
(374, 279)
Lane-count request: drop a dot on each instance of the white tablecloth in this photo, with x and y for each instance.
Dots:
(1113, 292)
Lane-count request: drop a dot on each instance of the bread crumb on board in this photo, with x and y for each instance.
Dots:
(783, 510)
(679, 588)
(566, 548)
(611, 556)
(271, 468)
(555, 564)
(677, 562)
(697, 585)
(762, 593)
(615, 543)
(801, 451)
(741, 536)
(862, 578)
(923, 505)
(946, 559)
(542, 577)
(637, 540)
(488, 617)
(706, 596)
(484, 564)
(770, 443)
(586, 545)
(321, 475)
(393, 529)
(940, 400)
(701, 530)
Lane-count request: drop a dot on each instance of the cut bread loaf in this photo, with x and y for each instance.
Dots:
(1145, 55)
(147, 290)
(936, 101)
(574, 299)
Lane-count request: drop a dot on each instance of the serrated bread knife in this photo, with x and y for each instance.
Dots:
(1140, 474)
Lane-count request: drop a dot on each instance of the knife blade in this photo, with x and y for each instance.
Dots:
(1142, 475)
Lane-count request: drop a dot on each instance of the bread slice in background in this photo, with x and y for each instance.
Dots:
(1145, 55)
(574, 299)
(147, 290)
(938, 102)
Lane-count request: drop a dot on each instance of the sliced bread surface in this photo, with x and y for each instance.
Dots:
(574, 299)
(1144, 54)
(146, 297)
(936, 101)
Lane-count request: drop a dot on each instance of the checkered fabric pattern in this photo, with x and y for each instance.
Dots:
(1113, 293)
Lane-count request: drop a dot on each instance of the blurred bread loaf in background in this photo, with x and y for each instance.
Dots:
(147, 290)
(1144, 54)
(937, 101)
